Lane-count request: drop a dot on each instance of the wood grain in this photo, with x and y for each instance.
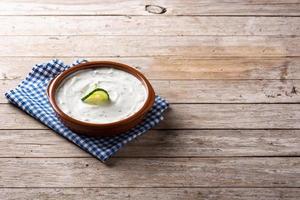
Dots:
(158, 172)
(229, 68)
(151, 193)
(213, 91)
(180, 46)
(148, 25)
(156, 143)
(194, 116)
(177, 68)
(173, 7)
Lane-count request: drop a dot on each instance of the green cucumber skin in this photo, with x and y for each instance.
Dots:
(92, 92)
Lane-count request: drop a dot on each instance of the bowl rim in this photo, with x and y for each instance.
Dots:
(54, 84)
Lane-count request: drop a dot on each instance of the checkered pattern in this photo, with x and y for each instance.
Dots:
(30, 96)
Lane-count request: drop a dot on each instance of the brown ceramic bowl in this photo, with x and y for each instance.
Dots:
(107, 129)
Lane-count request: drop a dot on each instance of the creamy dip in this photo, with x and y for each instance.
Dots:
(127, 95)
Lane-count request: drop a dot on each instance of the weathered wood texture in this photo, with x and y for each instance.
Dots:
(194, 116)
(181, 46)
(150, 172)
(157, 143)
(148, 25)
(136, 7)
(229, 68)
(176, 68)
(151, 193)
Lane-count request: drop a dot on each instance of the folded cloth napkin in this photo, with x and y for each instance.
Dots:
(30, 96)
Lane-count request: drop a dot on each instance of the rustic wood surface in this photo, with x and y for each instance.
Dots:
(167, 67)
(230, 69)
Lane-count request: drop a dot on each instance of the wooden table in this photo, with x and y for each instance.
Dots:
(231, 71)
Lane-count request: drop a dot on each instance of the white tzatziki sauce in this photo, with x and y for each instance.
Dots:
(127, 95)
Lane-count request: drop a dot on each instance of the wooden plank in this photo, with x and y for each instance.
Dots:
(151, 193)
(213, 91)
(194, 116)
(177, 68)
(175, 143)
(181, 46)
(148, 172)
(148, 25)
(232, 116)
(173, 7)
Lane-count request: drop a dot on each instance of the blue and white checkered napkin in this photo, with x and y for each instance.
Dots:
(30, 96)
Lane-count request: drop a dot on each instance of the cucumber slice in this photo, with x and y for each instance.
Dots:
(96, 97)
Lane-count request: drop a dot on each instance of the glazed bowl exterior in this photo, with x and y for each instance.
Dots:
(95, 129)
